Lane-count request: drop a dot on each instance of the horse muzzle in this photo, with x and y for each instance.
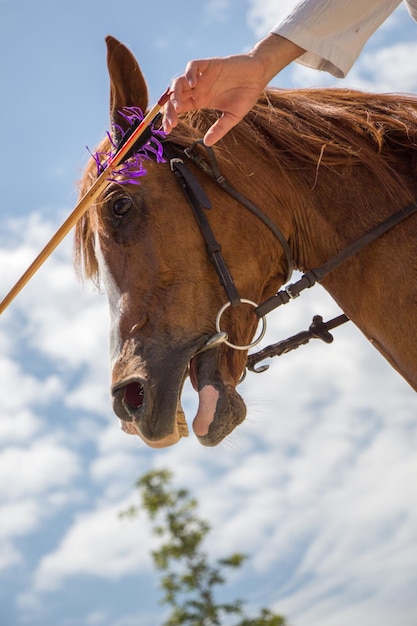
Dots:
(146, 395)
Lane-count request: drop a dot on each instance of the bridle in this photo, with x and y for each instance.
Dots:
(138, 134)
(199, 202)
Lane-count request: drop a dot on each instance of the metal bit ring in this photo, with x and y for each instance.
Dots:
(255, 341)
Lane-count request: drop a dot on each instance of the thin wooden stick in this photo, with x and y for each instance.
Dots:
(83, 204)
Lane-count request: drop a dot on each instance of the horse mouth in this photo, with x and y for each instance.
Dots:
(134, 394)
(151, 407)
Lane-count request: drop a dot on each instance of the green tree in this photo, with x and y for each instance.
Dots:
(188, 580)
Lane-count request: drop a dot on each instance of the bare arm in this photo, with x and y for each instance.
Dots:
(231, 84)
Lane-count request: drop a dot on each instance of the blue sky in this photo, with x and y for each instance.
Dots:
(318, 485)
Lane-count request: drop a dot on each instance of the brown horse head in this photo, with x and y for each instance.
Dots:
(324, 165)
(163, 292)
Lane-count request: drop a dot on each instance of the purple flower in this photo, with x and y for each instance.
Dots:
(132, 169)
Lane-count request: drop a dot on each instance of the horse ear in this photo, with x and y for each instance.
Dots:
(127, 85)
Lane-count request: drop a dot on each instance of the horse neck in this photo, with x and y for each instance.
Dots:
(366, 287)
(329, 211)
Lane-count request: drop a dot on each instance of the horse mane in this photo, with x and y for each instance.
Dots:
(297, 131)
(324, 127)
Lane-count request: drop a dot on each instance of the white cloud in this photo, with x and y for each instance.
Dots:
(100, 544)
(262, 15)
(18, 426)
(63, 323)
(217, 9)
(18, 517)
(391, 68)
(9, 556)
(386, 69)
(116, 472)
(36, 469)
(21, 389)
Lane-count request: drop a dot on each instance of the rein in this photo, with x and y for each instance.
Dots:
(309, 279)
(198, 201)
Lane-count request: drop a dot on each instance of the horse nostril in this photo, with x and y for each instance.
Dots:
(134, 395)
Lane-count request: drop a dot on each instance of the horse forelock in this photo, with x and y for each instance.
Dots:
(294, 130)
(85, 259)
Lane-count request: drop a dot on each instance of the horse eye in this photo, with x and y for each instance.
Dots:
(121, 206)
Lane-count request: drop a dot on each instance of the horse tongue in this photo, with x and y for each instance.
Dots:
(208, 397)
(202, 369)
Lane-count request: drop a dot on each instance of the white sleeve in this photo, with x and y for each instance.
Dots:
(412, 8)
(333, 32)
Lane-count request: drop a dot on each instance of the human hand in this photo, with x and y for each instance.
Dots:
(228, 84)
(231, 85)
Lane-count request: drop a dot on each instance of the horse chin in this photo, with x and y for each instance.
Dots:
(180, 430)
(220, 407)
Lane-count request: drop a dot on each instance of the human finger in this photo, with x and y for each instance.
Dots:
(169, 117)
(194, 71)
(220, 128)
(173, 107)
(180, 92)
